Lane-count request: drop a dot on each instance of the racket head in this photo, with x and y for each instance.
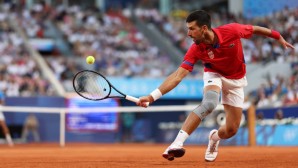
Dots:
(91, 85)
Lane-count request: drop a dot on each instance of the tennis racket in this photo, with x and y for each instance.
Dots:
(92, 85)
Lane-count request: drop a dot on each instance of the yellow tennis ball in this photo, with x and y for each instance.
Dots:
(90, 59)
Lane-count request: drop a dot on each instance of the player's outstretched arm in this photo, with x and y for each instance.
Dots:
(273, 34)
(170, 83)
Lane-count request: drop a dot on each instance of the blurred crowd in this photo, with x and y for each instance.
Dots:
(278, 91)
(121, 49)
(19, 74)
(256, 49)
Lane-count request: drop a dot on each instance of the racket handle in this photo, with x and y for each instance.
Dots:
(134, 99)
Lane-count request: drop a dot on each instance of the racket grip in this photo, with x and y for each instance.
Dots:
(134, 99)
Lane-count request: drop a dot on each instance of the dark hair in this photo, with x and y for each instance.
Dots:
(201, 17)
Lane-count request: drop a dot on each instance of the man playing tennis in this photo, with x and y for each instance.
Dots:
(220, 50)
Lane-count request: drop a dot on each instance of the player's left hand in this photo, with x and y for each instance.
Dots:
(285, 44)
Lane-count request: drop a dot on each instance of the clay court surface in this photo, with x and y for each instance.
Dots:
(141, 155)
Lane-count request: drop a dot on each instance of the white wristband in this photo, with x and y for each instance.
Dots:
(156, 94)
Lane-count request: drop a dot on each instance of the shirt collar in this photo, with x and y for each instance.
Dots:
(217, 33)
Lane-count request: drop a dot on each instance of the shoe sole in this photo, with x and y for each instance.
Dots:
(177, 152)
(172, 153)
(210, 160)
(168, 157)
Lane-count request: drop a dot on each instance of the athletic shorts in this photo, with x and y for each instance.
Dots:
(232, 92)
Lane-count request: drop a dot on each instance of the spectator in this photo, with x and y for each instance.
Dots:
(31, 125)
(279, 114)
(260, 116)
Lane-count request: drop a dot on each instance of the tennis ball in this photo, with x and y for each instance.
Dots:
(90, 59)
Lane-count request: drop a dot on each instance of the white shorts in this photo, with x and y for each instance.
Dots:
(232, 92)
(2, 118)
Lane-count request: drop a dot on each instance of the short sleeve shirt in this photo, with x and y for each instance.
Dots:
(226, 57)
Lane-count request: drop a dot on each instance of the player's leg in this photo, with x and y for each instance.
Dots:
(209, 103)
(229, 129)
(232, 99)
(233, 119)
(176, 148)
(6, 132)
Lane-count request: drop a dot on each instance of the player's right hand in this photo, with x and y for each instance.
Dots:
(145, 100)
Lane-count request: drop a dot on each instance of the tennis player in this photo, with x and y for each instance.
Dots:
(220, 51)
(3, 125)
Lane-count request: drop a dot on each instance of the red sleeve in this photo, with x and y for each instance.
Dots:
(243, 31)
(189, 59)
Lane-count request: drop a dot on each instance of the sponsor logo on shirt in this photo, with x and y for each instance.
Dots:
(211, 54)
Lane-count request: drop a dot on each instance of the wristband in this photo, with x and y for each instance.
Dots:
(156, 94)
(275, 34)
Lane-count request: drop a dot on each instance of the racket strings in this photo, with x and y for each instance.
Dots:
(92, 86)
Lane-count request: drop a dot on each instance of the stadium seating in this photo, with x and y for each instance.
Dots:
(122, 50)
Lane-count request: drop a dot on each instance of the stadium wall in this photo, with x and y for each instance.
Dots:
(160, 127)
(144, 129)
(253, 9)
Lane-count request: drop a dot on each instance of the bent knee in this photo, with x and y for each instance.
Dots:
(231, 131)
(209, 103)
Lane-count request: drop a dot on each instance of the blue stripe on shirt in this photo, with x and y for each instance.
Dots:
(187, 63)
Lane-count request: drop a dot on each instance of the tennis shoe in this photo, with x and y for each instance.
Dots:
(212, 150)
(173, 151)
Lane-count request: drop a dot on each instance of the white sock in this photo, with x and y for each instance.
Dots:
(181, 137)
(8, 139)
(215, 136)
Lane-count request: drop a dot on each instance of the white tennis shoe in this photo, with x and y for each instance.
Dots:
(173, 151)
(212, 150)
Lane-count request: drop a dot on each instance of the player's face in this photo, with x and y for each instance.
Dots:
(195, 32)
